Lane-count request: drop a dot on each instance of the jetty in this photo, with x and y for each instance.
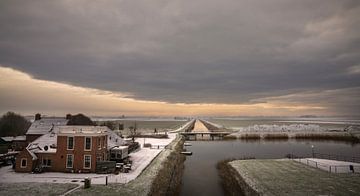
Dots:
(201, 131)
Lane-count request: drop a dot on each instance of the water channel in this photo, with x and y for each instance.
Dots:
(200, 174)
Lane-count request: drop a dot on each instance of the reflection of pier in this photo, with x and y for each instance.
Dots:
(202, 135)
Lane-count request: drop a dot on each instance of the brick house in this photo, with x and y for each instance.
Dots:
(69, 149)
(43, 125)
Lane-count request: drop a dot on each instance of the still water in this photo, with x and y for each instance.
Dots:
(200, 174)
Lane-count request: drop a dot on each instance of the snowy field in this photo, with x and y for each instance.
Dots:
(282, 128)
(294, 131)
(326, 123)
(287, 177)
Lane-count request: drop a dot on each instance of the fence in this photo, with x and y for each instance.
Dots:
(336, 157)
(158, 146)
(328, 167)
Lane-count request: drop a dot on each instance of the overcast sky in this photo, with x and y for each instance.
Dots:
(304, 54)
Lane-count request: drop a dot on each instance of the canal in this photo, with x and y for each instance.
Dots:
(200, 174)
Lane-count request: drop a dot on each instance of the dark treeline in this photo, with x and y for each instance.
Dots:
(12, 124)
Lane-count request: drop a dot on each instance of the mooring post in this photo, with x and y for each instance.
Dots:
(106, 180)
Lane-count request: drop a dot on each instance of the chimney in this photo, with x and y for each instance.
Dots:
(37, 116)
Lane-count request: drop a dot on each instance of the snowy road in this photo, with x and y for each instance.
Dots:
(200, 127)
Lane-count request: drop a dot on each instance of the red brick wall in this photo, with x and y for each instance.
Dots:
(30, 163)
(52, 157)
(78, 152)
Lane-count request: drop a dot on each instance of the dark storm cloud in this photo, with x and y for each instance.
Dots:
(186, 51)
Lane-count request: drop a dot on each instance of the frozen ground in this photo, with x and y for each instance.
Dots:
(290, 130)
(330, 165)
(141, 159)
(282, 128)
(35, 189)
(141, 186)
(214, 124)
(287, 177)
(200, 127)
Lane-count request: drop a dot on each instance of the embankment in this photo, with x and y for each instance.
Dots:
(168, 179)
(231, 181)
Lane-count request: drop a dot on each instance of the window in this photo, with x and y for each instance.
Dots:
(70, 143)
(87, 161)
(87, 143)
(23, 163)
(113, 155)
(46, 162)
(69, 161)
(99, 158)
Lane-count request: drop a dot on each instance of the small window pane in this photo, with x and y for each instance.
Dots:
(69, 162)
(87, 161)
(87, 143)
(23, 163)
(70, 142)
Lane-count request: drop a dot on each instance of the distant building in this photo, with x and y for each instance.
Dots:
(17, 143)
(70, 149)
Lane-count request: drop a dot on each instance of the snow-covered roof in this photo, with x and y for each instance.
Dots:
(45, 125)
(8, 138)
(82, 130)
(47, 143)
(11, 138)
(114, 139)
(20, 138)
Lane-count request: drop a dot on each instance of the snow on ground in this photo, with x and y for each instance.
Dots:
(330, 165)
(141, 159)
(287, 177)
(214, 124)
(343, 122)
(200, 127)
(182, 127)
(282, 128)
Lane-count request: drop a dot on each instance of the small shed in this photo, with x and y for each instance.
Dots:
(118, 153)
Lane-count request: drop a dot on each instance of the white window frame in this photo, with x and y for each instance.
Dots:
(85, 143)
(72, 161)
(105, 142)
(99, 143)
(21, 161)
(87, 155)
(46, 161)
(67, 143)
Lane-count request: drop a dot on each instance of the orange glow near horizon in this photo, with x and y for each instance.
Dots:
(24, 94)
